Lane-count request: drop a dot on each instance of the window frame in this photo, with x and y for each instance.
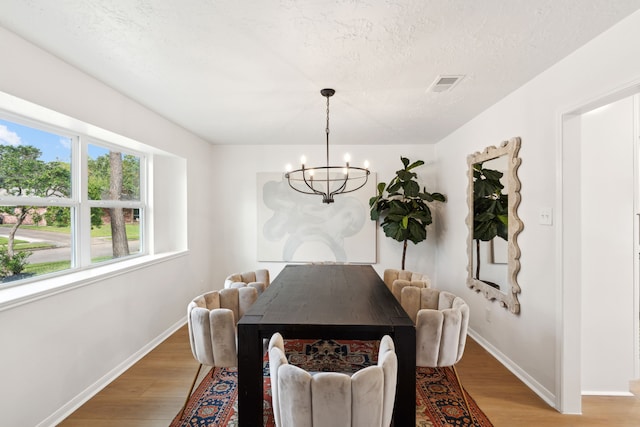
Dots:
(79, 201)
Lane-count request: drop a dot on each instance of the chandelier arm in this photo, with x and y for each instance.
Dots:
(310, 186)
(365, 177)
(344, 183)
(313, 190)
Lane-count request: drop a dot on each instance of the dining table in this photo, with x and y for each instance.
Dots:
(325, 301)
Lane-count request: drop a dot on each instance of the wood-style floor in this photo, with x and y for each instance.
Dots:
(152, 392)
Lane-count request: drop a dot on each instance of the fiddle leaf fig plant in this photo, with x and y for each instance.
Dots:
(490, 209)
(404, 211)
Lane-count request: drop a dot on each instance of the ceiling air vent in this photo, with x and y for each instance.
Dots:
(444, 83)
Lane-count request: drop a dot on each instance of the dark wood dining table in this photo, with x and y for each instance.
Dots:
(325, 302)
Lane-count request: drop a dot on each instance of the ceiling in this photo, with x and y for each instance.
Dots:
(250, 72)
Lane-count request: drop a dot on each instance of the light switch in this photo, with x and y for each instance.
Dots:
(545, 216)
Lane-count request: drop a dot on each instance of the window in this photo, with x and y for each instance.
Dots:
(67, 201)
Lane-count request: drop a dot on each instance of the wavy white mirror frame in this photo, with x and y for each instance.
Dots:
(509, 298)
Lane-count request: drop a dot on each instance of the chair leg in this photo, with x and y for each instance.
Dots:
(193, 383)
(464, 395)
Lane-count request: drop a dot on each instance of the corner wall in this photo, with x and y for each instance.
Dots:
(534, 344)
(237, 166)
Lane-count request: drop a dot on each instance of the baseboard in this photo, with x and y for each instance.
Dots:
(608, 393)
(67, 409)
(523, 376)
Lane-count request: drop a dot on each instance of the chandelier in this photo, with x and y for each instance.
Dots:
(327, 181)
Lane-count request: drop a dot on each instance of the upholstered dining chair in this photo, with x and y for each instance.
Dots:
(258, 279)
(332, 399)
(441, 320)
(396, 280)
(212, 319)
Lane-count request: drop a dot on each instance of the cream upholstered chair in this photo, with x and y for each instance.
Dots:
(396, 280)
(212, 319)
(258, 279)
(332, 399)
(441, 320)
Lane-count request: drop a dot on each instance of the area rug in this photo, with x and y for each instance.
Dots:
(439, 401)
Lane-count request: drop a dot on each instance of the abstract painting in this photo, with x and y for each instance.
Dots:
(296, 227)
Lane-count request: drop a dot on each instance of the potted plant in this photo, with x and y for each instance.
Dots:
(404, 210)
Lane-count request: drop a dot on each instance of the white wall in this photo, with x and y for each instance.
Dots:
(238, 245)
(607, 221)
(59, 349)
(532, 343)
(64, 344)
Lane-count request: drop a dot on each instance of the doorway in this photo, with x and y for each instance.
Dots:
(599, 200)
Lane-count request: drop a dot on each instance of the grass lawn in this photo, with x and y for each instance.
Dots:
(133, 233)
(51, 267)
(46, 267)
(21, 245)
(133, 230)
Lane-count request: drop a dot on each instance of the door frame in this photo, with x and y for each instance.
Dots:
(568, 245)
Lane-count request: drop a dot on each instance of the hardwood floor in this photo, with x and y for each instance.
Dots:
(152, 392)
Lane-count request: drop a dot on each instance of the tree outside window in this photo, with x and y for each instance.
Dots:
(38, 203)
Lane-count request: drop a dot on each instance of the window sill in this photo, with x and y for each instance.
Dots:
(14, 296)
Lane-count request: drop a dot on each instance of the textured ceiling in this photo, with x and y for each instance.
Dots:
(250, 72)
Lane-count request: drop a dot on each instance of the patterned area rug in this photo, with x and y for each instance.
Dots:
(439, 401)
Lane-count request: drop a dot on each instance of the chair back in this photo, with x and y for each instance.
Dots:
(212, 319)
(396, 280)
(442, 321)
(302, 399)
(258, 279)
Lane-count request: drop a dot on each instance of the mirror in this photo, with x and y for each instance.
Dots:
(493, 197)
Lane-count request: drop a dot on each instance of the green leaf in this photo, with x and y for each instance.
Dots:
(417, 232)
(502, 231)
(374, 214)
(422, 216)
(405, 175)
(394, 231)
(492, 175)
(484, 216)
(411, 189)
(415, 164)
(438, 197)
(405, 221)
(395, 187)
(426, 196)
(483, 188)
(404, 161)
(394, 218)
(485, 231)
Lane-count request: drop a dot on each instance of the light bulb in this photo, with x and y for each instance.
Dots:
(288, 167)
(366, 164)
(311, 171)
(345, 171)
(303, 160)
(347, 158)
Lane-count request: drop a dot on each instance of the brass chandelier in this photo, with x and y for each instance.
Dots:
(327, 181)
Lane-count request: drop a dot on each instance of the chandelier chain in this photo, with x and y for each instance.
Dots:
(327, 128)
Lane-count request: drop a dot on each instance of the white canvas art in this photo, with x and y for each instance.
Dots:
(296, 227)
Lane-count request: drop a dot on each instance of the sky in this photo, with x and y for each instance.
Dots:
(53, 146)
